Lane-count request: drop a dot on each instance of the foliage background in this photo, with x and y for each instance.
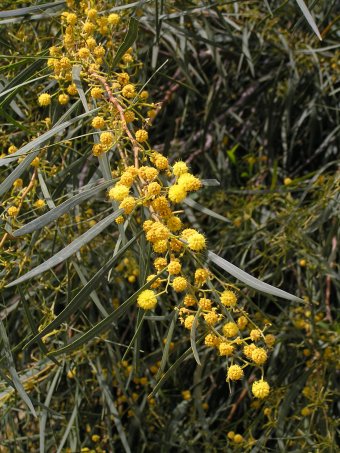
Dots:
(250, 98)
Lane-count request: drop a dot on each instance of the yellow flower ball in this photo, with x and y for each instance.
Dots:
(13, 211)
(259, 356)
(113, 19)
(160, 263)
(174, 223)
(230, 329)
(142, 136)
(189, 321)
(179, 284)
(196, 242)
(98, 122)
(39, 204)
(88, 28)
(260, 389)
(205, 303)
(211, 318)
(238, 439)
(226, 349)
(189, 182)
(63, 99)
(106, 138)
(189, 300)
(129, 91)
(248, 350)
(255, 334)
(98, 149)
(270, 340)
(228, 298)
(242, 322)
(72, 89)
(12, 149)
(174, 267)
(186, 395)
(180, 168)
(128, 204)
(177, 193)
(44, 100)
(118, 193)
(147, 300)
(235, 373)
(96, 93)
(153, 189)
(129, 116)
(83, 53)
(201, 276)
(160, 246)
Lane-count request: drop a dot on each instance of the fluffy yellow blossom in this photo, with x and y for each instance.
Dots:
(189, 321)
(189, 300)
(228, 298)
(201, 276)
(128, 204)
(147, 299)
(113, 19)
(255, 334)
(248, 350)
(160, 263)
(230, 329)
(148, 173)
(235, 373)
(189, 182)
(174, 267)
(157, 232)
(96, 93)
(129, 116)
(119, 220)
(88, 28)
(44, 100)
(196, 242)
(211, 340)
(179, 284)
(39, 204)
(161, 162)
(13, 211)
(118, 193)
(226, 349)
(156, 283)
(12, 149)
(129, 91)
(142, 136)
(180, 168)
(187, 233)
(106, 138)
(153, 189)
(63, 99)
(269, 340)
(260, 389)
(259, 356)
(98, 122)
(174, 223)
(242, 322)
(160, 246)
(98, 149)
(83, 53)
(18, 183)
(161, 206)
(72, 89)
(211, 318)
(205, 303)
(177, 193)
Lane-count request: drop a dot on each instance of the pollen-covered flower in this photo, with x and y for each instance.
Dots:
(189, 321)
(189, 300)
(39, 204)
(142, 136)
(180, 168)
(270, 340)
(129, 116)
(211, 318)
(226, 349)
(148, 173)
(174, 223)
(83, 53)
(228, 298)
(201, 276)
(235, 373)
(113, 19)
(147, 299)
(153, 189)
(230, 329)
(129, 91)
(44, 99)
(211, 340)
(177, 193)
(63, 99)
(106, 138)
(96, 93)
(260, 389)
(98, 122)
(248, 350)
(179, 284)
(196, 242)
(189, 182)
(13, 211)
(118, 193)
(128, 204)
(174, 267)
(242, 322)
(255, 334)
(259, 356)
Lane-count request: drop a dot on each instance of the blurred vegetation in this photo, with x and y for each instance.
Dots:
(247, 94)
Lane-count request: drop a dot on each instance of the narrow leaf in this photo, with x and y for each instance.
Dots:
(129, 39)
(249, 280)
(58, 211)
(70, 249)
(309, 18)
